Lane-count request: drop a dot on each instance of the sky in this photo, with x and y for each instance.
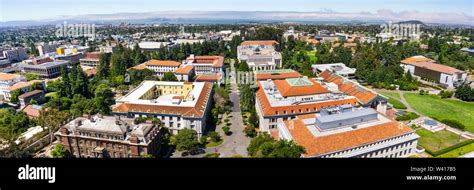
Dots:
(14, 10)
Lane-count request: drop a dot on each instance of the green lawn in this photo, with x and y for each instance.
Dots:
(458, 151)
(439, 109)
(312, 56)
(213, 144)
(437, 141)
(394, 99)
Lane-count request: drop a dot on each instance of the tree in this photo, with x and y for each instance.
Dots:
(31, 76)
(13, 123)
(250, 131)
(214, 136)
(169, 76)
(122, 89)
(37, 86)
(103, 70)
(52, 119)
(59, 151)
(465, 93)
(15, 94)
(243, 66)
(264, 146)
(185, 140)
(65, 90)
(137, 76)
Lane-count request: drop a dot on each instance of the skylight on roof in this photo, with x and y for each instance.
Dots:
(302, 81)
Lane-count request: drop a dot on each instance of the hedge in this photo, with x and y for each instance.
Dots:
(447, 149)
(453, 123)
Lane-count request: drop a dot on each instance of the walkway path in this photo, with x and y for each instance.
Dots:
(237, 142)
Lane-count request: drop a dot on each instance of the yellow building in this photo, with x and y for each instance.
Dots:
(60, 50)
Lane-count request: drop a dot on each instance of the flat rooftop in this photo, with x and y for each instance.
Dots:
(339, 68)
(135, 96)
(305, 132)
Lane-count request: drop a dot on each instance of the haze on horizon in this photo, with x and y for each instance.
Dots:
(455, 11)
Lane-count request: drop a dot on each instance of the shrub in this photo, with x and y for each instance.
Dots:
(215, 137)
(226, 130)
(454, 123)
(226, 120)
(446, 94)
(250, 131)
(408, 116)
(447, 149)
(423, 92)
(139, 120)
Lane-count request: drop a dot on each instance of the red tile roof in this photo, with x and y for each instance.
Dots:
(268, 110)
(184, 69)
(139, 67)
(261, 42)
(163, 63)
(430, 65)
(344, 140)
(216, 61)
(7, 76)
(31, 111)
(205, 77)
(23, 85)
(363, 94)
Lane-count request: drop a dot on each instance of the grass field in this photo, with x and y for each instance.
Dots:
(394, 99)
(435, 107)
(439, 140)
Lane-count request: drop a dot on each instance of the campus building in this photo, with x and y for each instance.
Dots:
(6, 82)
(49, 69)
(338, 68)
(260, 55)
(349, 132)
(162, 67)
(178, 105)
(109, 137)
(6, 93)
(15, 54)
(282, 99)
(207, 68)
(426, 68)
(90, 59)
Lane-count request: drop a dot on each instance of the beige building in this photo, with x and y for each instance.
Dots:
(260, 55)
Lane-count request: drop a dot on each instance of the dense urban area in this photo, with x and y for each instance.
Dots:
(262, 90)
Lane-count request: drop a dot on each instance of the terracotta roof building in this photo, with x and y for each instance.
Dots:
(5, 94)
(207, 67)
(161, 67)
(8, 80)
(284, 99)
(276, 74)
(345, 131)
(365, 96)
(279, 100)
(158, 99)
(426, 68)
